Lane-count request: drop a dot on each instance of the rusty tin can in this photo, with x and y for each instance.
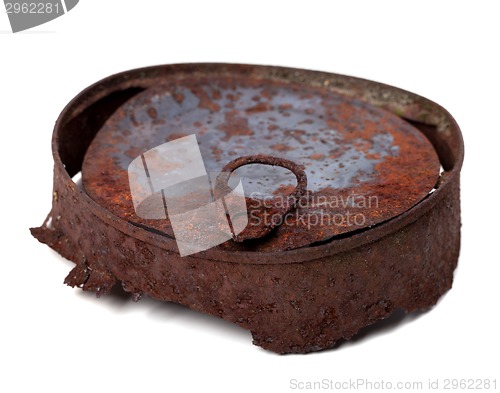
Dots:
(305, 137)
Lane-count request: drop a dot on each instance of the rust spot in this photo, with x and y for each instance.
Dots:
(174, 136)
(284, 107)
(133, 152)
(281, 147)
(205, 101)
(216, 95)
(260, 107)
(216, 151)
(178, 97)
(317, 156)
(235, 124)
(152, 113)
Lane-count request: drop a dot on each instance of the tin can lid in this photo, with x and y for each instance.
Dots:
(363, 165)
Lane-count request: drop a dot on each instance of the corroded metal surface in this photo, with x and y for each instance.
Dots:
(296, 301)
(364, 165)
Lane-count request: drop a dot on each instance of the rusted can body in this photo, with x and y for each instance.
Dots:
(297, 295)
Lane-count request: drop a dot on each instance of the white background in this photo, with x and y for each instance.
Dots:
(55, 338)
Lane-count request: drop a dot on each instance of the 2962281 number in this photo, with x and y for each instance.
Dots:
(32, 8)
(470, 384)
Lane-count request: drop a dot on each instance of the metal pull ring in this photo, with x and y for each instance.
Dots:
(262, 227)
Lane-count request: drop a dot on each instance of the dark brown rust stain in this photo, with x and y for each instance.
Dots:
(294, 301)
